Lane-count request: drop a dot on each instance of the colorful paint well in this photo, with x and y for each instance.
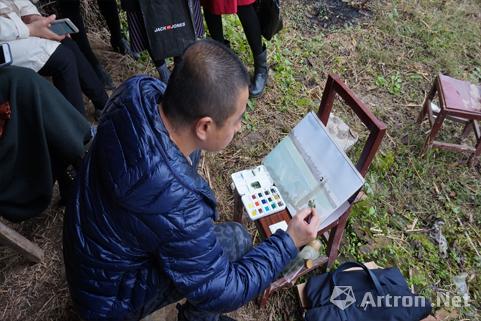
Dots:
(263, 202)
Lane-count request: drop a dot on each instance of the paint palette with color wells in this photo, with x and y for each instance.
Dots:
(258, 193)
(263, 202)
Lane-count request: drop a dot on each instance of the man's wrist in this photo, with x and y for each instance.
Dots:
(288, 241)
(293, 238)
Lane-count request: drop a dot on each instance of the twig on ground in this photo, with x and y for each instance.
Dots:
(468, 237)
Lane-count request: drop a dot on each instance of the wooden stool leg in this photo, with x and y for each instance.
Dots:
(262, 299)
(474, 158)
(29, 249)
(427, 103)
(467, 129)
(335, 238)
(434, 131)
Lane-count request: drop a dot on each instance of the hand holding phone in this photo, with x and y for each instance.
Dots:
(5, 55)
(40, 28)
(63, 27)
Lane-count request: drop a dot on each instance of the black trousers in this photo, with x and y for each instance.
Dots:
(108, 8)
(71, 74)
(250, 23)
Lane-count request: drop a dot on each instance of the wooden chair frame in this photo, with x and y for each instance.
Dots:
(335, 231)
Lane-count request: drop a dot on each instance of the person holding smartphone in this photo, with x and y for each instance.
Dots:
(33, 45)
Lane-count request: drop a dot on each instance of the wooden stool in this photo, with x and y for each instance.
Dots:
(18, 242)
(332, 233)
(459, 101)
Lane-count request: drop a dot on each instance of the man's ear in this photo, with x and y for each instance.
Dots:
(203, 128)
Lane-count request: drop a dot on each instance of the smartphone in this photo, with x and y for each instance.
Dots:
(63, 26)
(5, 55)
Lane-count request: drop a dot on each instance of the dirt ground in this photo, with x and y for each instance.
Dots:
(388, 52)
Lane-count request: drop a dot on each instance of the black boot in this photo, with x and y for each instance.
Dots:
(123, 47)
(259, 81)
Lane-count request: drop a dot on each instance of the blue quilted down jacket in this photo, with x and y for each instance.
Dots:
(141, 222)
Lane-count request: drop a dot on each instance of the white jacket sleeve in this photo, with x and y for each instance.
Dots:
(26, 7)
(12, 28)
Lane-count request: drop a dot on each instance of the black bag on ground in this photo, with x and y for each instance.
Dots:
(269, 14)
(169, 26)
(367, 295)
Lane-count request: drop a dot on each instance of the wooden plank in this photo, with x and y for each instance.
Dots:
(14, 239)
(264, 223)
(453, 147)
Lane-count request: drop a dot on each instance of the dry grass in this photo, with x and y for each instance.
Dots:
(35, 291)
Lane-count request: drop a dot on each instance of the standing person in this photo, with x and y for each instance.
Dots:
(36, 47)
(213, 11)
(138, 33)
(108, 8)
(140, 232)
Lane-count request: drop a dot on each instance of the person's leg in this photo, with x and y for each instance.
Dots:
(162, 69)
(197, 18)
(89, 82)
(252, 29)
(234, 239)
(110, 12)
(161, 66)
(71, 9)
(214, 24)
(236, 242)
(62, 68)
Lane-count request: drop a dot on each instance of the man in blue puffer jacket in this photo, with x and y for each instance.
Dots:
(140, 231)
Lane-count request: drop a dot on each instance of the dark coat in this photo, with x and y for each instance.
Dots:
(142, 224)
(44, 133)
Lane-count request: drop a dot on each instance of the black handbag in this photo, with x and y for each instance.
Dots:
(169, 26)
(269, 15)
(367, 295)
